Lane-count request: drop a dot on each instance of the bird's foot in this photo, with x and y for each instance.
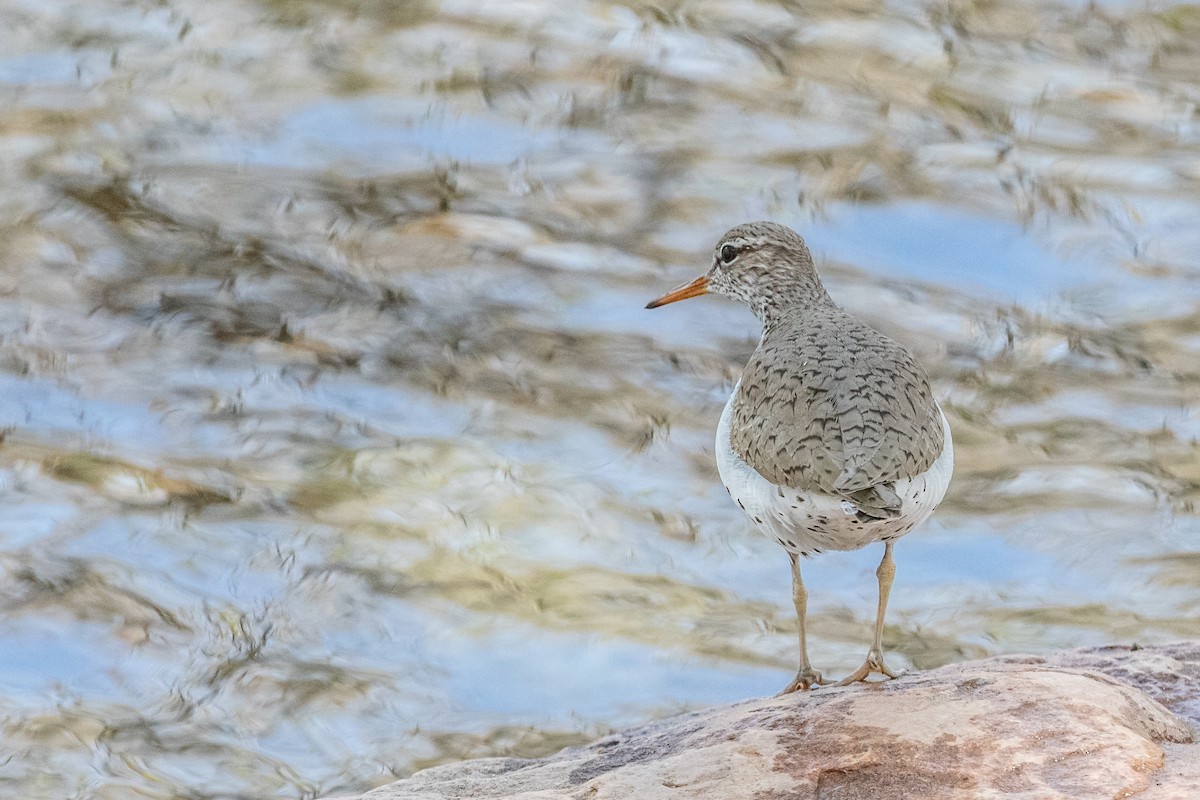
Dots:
(805, 679)
(874, 663)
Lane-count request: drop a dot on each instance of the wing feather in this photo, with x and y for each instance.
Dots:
(831, 405)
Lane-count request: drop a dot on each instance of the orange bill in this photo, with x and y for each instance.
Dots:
(693, 289)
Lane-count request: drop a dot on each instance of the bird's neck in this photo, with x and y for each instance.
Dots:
(787, 308)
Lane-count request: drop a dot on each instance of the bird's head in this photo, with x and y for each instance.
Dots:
(764, 265)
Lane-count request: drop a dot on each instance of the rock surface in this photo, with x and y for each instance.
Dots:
(1113, 722)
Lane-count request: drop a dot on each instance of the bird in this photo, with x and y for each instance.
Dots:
(832, 438)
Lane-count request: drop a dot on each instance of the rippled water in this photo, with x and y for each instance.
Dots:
(338, 443)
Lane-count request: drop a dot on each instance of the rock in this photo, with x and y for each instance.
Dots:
(1113, 722)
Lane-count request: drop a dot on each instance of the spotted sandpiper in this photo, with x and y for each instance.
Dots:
(831, 439)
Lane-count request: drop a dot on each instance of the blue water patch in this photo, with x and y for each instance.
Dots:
(392, 409)
(44, 406)
(38, 654)
(383, 134)
(56, 67)
(527, 671)
(939, 244)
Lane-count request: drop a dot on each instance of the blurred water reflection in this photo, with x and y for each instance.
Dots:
(337, 443)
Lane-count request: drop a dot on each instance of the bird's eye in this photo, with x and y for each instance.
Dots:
(728, 254)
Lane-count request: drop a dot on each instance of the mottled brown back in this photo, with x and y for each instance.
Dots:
(828, 404)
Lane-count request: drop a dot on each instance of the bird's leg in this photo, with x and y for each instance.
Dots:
(874, 662)
(806, 676)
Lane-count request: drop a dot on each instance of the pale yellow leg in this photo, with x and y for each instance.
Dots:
(806, 676)
(874, 663)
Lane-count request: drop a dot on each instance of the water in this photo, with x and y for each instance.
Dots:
(338, 443)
